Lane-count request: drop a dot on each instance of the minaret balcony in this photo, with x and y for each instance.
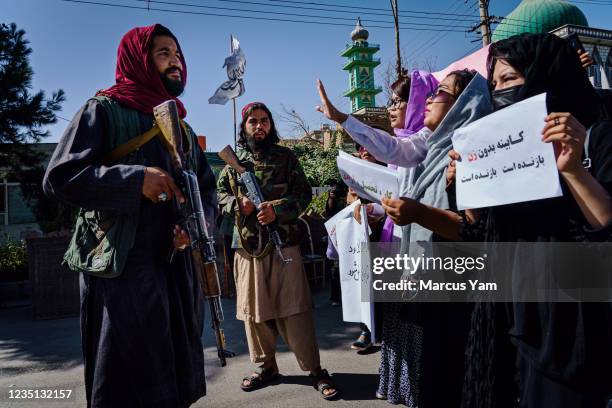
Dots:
(363, 91)
(359, 47)
(361, 62)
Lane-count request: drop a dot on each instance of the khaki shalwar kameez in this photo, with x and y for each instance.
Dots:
(272, 298)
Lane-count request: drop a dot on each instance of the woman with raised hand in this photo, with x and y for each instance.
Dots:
(407, 146)
(461, 98)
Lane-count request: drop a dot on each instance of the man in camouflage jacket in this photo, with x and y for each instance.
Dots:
(272, 297)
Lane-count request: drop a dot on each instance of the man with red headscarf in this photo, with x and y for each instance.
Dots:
(141, 314)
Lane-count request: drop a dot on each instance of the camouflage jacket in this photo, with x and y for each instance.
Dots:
(282, 183)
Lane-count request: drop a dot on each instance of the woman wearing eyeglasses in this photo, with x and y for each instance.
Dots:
(418, 354)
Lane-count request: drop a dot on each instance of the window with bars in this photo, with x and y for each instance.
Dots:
(14, 208)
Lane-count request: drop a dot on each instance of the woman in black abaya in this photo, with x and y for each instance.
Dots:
(546, 354)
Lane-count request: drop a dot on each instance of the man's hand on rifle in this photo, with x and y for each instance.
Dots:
(266, 213)
(181, 238)
(158, 186)
(246, 206)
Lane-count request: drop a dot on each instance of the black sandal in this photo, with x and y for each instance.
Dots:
(322, 382)
(264, 377)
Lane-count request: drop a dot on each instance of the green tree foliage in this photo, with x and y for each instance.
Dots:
(23, 115)
(319, 165)
(23, 119)
(13, 261)
(317, 204)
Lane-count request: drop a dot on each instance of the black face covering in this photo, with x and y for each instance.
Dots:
(506, 97)
(549, 64)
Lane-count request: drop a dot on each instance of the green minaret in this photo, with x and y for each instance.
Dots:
(360, 65)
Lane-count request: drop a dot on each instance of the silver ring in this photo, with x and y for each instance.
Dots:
(557, 123)
(162, 196)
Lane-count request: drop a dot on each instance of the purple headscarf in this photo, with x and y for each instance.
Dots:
(422, 83)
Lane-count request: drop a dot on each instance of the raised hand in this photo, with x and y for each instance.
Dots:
(327, 108)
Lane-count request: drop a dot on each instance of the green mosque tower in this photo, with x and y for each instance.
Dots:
(361, 64)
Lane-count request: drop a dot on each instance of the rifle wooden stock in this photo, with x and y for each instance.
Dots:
(209, 280)
(228, 155)
(167, 119)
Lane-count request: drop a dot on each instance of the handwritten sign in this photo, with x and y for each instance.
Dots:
(330, 225)
(369, 180)
(504, 160)
(350, 235)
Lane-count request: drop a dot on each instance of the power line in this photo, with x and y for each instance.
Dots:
(294, 14)
(432, 40)
(99, 3)
(435, 13)
(345, 11)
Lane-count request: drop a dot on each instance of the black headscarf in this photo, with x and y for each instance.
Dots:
(549, 64)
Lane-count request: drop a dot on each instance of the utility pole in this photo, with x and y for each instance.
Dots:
(485, 22)
(397, 38)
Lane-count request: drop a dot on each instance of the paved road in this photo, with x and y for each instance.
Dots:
(47, 354)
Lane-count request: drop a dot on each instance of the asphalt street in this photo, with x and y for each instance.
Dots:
(48, 354)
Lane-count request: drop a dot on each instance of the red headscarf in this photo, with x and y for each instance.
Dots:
(138, 82)
(248, 106)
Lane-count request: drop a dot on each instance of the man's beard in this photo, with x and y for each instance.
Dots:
(259, 145)
(174, 88)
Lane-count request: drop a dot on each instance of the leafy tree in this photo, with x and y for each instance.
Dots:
(13, 261)
(319, 165)
(23, 118)
(23, 115)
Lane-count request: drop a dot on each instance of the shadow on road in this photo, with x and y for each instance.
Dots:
(354, 387)
(26, 344)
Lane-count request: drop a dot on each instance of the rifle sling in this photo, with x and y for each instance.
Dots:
(131, 145)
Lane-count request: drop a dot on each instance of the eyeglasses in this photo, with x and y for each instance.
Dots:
(395, 103)
(438, 93)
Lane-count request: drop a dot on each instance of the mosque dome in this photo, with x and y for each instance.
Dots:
(539, 16)
(359, 33)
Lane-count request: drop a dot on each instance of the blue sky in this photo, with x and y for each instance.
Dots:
(75, 49)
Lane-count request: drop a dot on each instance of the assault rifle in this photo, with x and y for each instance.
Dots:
(254, 194)
(203, 256)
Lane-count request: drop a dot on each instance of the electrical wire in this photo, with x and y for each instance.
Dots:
(99, 3)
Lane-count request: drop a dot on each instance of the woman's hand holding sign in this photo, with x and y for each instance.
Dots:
(568, 136)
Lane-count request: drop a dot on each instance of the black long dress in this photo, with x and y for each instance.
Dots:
(140, 331)
(561, 353)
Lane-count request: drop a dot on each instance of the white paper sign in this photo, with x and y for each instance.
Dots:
(350, 236)
(368, 180)
(503, 159)
(330, 225)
